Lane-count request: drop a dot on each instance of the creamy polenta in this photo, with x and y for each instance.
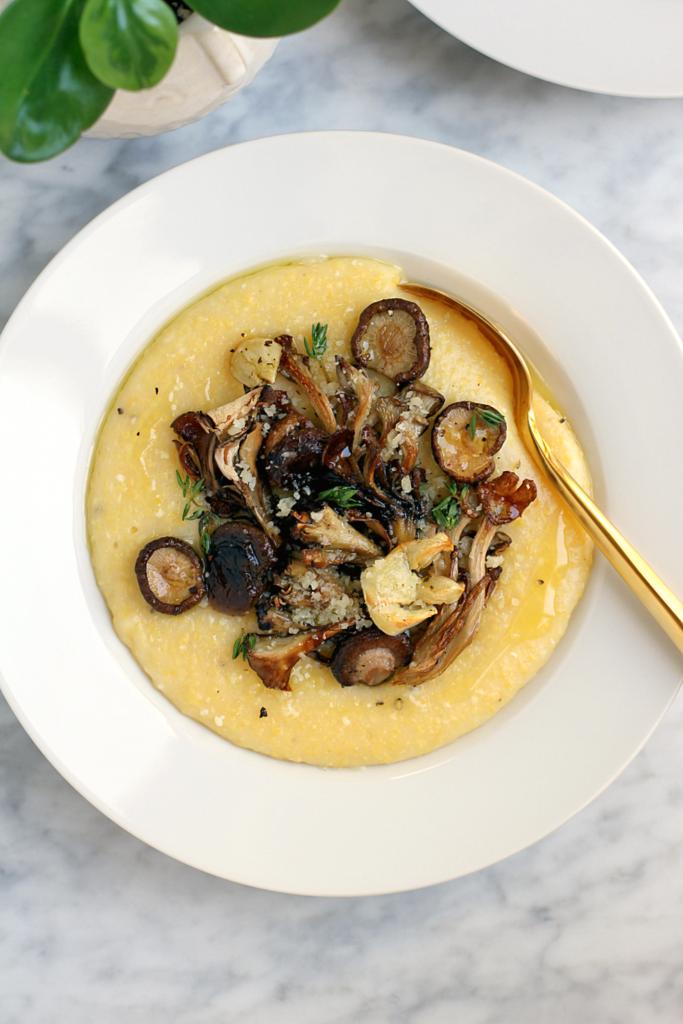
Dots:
(133, 498)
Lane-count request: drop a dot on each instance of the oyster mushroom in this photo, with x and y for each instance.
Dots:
(273, 657)
(333, 537)
(465, 438)
(236, 459)
(393, 337)
(239, 560)
(197, 452)
(235, 417)
(364, 388)
(170, 575)
(503, 500)
(293, 367)
(370, 657)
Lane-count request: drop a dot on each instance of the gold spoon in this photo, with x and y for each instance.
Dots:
(664, 606)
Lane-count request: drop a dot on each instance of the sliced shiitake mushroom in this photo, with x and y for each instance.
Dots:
(393, 337)
(239, 560)
(465, 438)
(170, 575)
(370, 657)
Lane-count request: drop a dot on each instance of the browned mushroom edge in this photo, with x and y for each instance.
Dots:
(370, 657)
(464, 457)
(393, 337)
(169, 567)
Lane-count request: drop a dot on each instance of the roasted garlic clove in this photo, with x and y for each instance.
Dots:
(370, 657)
(465, 438)
(393, 337)
(396, 597)
(256, 361)
(170, 575)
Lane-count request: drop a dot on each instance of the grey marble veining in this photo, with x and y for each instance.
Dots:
(587, 925)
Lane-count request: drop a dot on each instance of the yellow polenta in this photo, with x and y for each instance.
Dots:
(133, 498)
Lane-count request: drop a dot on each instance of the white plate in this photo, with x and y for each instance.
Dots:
(454, 221)
(621, 47)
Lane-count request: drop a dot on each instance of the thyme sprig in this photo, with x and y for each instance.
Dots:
(447, 512)
(243, 645)
(203, 516)
(342, 496)
(318, 344)
(489, 417)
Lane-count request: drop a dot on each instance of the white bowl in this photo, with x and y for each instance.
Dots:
(620, 47)
(451, 220)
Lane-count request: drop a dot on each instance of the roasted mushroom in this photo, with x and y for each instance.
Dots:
(239, 560)
(170, 575)
(503, 500)
(197, 452)
(393, 337)
(292, 452)
(294, 367)
(273, 657)
(465, 438)
(306, 597)
(235, 417)
(236, 459)
(364, 388)
(370, 657)
(332, 534)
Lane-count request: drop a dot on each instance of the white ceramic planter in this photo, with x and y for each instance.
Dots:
(209, 67)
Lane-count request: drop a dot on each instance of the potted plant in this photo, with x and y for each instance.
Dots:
(129, 67)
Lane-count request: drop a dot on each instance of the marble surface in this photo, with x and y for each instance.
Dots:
(587, 925)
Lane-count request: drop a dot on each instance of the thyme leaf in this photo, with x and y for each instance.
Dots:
(489, 417)
(342, 496)
(318, 341)
(447, 512)
(243, 645)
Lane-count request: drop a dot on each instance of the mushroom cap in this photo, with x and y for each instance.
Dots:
(370, 657)
(170, 575)
(393, 337)
(464, 457)
(239, 560)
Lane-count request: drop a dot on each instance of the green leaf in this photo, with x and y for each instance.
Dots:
(48, 95)
(318, 341)
(264, 18)
(128, 44)
(243, 645)
(472, 425)
(342, 496)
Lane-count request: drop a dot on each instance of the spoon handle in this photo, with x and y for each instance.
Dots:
(661, 603)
